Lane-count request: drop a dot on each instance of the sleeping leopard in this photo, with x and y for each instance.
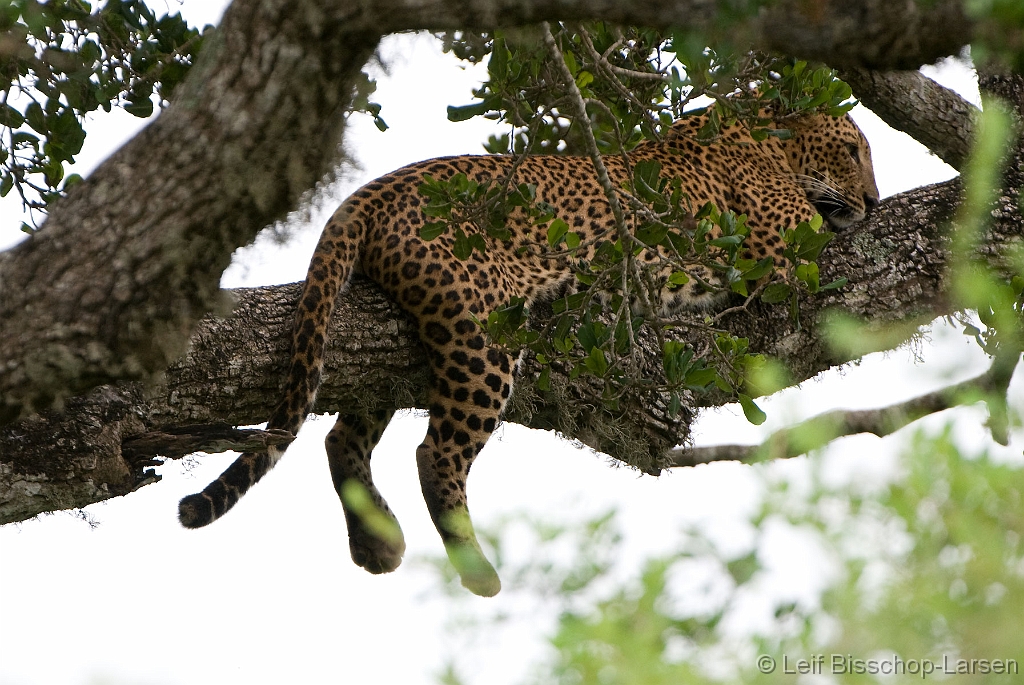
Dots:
(824, 167)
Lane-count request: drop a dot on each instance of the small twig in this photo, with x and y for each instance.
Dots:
(613, 72)
(821, 430)
(745, 307)
(1006, 359)
(577, 104)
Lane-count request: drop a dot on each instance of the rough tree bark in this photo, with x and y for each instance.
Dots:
(257, 125)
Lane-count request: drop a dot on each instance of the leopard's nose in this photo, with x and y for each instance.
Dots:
(870, 202)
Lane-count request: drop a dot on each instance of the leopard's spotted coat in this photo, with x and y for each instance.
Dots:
(825, 167)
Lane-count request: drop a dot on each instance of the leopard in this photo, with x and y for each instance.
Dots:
(822, 167)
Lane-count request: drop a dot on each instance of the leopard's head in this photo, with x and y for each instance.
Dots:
(832, 161)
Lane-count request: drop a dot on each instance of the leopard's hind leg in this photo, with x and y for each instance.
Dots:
(470, 386)
(375, 538)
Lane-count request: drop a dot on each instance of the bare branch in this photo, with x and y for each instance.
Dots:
(819, 431)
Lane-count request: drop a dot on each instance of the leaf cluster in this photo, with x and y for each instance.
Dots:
(803, 246)
(635, 83)
(471, 210)
(63, 59)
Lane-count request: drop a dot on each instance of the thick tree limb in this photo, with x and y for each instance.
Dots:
(112, 289)
(252, 131)
(113, 286)
(909, 101)
(895, 262)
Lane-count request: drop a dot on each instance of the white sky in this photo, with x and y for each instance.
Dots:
(269, 594)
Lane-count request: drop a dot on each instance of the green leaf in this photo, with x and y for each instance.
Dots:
(139, 106)
(811, 247)
(838, 283)
(651, 234)
(776, 292)
(53, 172)
(432, 230)
(478, 243)
(726, 241)
(570, 302)
(596, 362)
(700, 377)
(808, 274)
(35, 117)
(570, 61)
(10, 117)
(466, 112)
(754, 413)
(760, 269)
(556, 231)
(676, 360)
(461, 247)
(497, 65)
(18, 138)
(647, 179)
(678, 278)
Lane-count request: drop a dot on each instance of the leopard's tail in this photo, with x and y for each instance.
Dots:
(330, 269)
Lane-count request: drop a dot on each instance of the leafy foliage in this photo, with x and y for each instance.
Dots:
(63, 59)
(926, 568)
(637, 82)
(999, 31)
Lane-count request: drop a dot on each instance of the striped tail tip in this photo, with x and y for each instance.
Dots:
(203, 508)
(196, 511)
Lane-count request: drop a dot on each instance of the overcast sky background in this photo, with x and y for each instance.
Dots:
(269, 594)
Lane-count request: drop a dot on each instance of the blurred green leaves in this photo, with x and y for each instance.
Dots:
(925, 566)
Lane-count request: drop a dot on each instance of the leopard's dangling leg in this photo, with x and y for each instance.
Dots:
(471, 385)
(375, 538)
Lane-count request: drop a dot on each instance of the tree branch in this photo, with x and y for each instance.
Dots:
(176, 442)
(909, 101)
(129, 262)
(819, 431)
(895, 262)
(114, 286)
